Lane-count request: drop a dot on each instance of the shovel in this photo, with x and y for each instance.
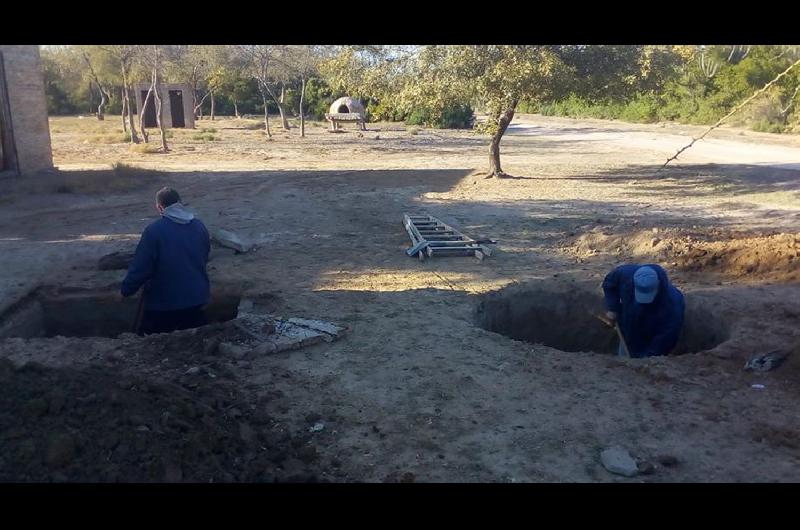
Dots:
(611, 324)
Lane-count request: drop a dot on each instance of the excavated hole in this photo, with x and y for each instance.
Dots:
(53, 311)
(561, 316)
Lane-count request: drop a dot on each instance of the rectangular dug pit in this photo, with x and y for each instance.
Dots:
(52, 312)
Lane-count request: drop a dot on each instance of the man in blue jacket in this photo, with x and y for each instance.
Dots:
(647, 307)
(170, 262)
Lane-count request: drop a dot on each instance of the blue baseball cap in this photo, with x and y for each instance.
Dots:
(645, 282)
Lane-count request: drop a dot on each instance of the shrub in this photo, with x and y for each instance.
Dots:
(451, 117)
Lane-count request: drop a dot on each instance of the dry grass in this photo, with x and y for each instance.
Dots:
(204, 136)
(110, 138)
(145, 148)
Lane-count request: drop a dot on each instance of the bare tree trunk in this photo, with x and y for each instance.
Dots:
(494, 147)
(159, 108)
(212, 105)
(91, 97)
(101, 106)
(194, 91)
(141, 115)
(198, 108)
(266, 115)
(124, 112)
(302, 114)
(236, 110)
(103, 93)
(284, 120)
(126, 99)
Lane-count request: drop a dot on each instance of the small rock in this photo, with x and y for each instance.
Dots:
(617, 460)
(766, 361)
(317, 427)
(655, 241)
(192, 371)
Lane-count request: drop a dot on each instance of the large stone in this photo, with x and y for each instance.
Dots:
(617, 460)
(230, 240)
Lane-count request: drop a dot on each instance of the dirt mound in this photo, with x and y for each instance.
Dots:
(99, 424)
(734, 254)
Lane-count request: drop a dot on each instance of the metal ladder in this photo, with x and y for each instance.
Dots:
(430, 237)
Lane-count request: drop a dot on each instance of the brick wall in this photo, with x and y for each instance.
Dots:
(26, 99)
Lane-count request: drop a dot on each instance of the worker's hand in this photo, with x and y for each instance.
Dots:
(612, 316)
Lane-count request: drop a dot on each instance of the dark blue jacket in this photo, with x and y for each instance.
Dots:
(170, 262)
(649, 329)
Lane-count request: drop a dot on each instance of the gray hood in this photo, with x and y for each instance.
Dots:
(178, 213)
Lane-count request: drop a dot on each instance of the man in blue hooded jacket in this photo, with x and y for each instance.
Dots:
(170, 262)
(647, 307)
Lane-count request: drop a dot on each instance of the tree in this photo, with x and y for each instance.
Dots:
(124, 55)
(156, 88)
(303, 61)
(101, 75)
(439, 77)
(499, 77)
(270, 65)
(63, 82)
(259, 61)
(151, 61)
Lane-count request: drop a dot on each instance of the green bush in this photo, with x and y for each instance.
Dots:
(643, 109)
(768, 127)
(382, 111)
(526, 107)
(451, 117)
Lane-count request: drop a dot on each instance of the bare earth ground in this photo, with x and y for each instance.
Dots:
(415, 390)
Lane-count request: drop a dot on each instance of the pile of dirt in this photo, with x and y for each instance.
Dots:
(774, 256)
(149, 419)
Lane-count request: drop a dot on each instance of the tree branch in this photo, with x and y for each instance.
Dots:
(731, 113)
